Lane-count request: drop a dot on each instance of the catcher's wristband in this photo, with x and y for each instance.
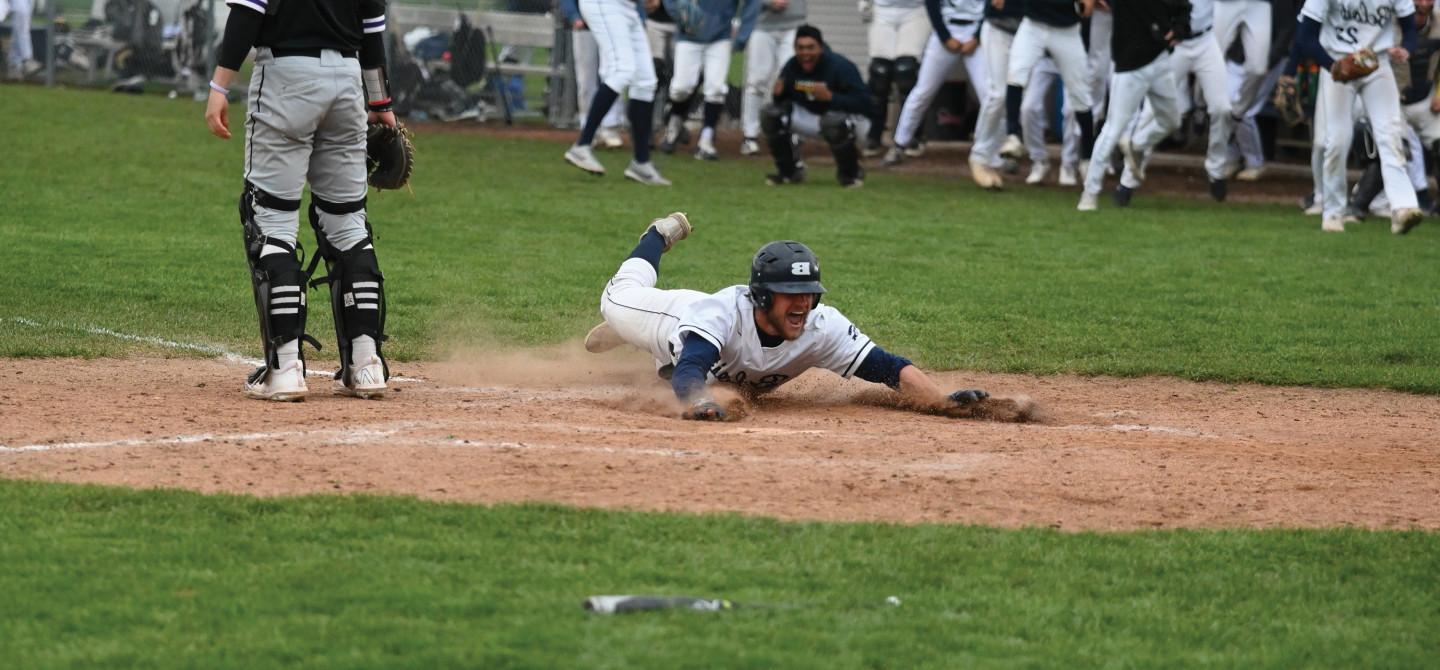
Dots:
(377, 90)
(380, 105)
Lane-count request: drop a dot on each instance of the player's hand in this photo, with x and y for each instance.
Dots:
(997, 4)
(217, 114)
(1087, 7)
(1435, 105)
(579, 24)
(953, 45)
(779, 5)
(968, 397)
(651, 5)
(1399, 55)
(969, 47)
(705, 410)
(821, 92)
(1102, 5)
(383, 118)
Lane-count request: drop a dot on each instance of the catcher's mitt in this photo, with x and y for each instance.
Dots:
(389, 156)
(1355, 65)
(1287, 101)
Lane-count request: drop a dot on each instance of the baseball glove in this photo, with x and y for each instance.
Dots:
(389, 156)
(1287, 101)
(1355, 65)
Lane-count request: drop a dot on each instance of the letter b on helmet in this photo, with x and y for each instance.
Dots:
(785, 266)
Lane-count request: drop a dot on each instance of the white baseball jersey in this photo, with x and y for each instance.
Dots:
(1202, 15)
(726, 319)
(1349, 25)
(900, 4)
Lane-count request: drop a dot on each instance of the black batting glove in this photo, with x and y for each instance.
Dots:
(963, 398)
(705, 410)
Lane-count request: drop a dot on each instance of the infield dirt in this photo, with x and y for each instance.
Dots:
(567, 427)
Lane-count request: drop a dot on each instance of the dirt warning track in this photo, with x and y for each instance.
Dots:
(561, 426)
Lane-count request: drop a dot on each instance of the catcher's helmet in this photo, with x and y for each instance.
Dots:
(785, 266)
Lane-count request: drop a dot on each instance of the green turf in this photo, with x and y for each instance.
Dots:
(108, 578)
(119, 212)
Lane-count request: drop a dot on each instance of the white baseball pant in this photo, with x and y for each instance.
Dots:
(1153, 84)
(587, 78)
(1200, 55)
(767, 52)
(642, 315)
(20, 47)
(1425, 122)
(1378, 93)
(934, 68)
(995, 43)
(1034, 40)
(691, 58)
(1250, 20)
(898, 31)
(1034, 118)
(1247, 134)
(625, 64)
(805, 123)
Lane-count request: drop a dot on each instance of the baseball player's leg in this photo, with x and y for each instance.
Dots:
(1209, 68)
(1339, 105)
(995, 43)
(884, 35)
(1068, 51)
(1100, 61)
(913, 36)
(609, 26)
(641, 108)
(21, 50)
(775, 123)
(638, 313)
(1255, 40)
(684, 77)
(842, 133)
(1425, 122)
(1415, 163)
(986, 147)
(1383, 107)
(587, 70)
(1033, 111)
(760, 58)
(937, 63)
(716, 68)
(1247, 132)
(1128, 89)
(342, 235)
(1025, 51)
(278, 132)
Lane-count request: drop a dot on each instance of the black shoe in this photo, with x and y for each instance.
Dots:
(1122, 196)
(777, 179)
(1217, 189)
(855, 182)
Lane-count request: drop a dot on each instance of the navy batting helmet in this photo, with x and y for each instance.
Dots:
(785, 266)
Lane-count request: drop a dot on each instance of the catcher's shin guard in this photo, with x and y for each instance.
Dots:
(276, 280)
(775, 123)
(839, 133)
(357, 289)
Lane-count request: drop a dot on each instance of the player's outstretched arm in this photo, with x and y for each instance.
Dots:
(697, 357)
(918, 389)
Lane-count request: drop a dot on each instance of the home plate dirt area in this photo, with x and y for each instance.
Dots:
(561, 426)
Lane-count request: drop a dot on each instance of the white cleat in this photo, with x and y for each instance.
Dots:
(1089, 202)
(584, 158)
(286, 384)
(1068, 176)
(985, 177)
(1132, 160)
(1315, 209)
(645, 173)
(1013, 147)
(749, 147)
(1039, 170)
(609, 138)
(706, 151)
(673, 227)
(1333, 225)
(1403, 220)
(602, 338)
(1250, 174)
(366, 381)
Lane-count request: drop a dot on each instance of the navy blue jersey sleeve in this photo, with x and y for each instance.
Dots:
(848, 90)
(1409, 36)
(937, 20)
(697, 357)
(1309, 39)
(882, 367)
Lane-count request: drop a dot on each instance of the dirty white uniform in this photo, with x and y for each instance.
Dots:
(656, 321)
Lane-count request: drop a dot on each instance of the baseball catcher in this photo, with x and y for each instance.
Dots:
(755, 336)
(319, 77)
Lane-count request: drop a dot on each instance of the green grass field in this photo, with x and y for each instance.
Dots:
(118, 212)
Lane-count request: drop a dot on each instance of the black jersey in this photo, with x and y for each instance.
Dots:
(316, 24)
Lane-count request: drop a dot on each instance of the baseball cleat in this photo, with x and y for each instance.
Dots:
(670, 139)
(1013, 147)
(706, 151)
(872, 147)
(1332, 224)
(795, 177)
(1352, 214)
(1404, 220)
(286, 384)
(366, 381)
(856, 182)
(584, 158)
(1089, 202)
(893, 157)
(1311, 205)
(1132, 160)
(645, 173)
(1123, 194)
(916, 149)
(1068, 176)
(1217, 189)
(674, 227)
(749, 147)
(1250, 174)
(602, 338)
(985, 177)
(609, 138)
(1038, 171)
